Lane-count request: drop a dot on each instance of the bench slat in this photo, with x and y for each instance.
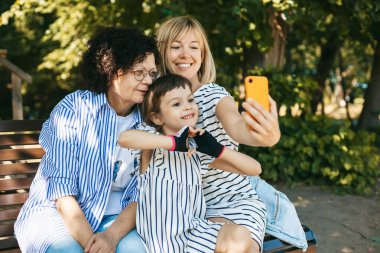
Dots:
(9, 243)
(21, 154)
(20, 125)
(274, 245)
(18, 139)
(6, 230)
(13, 199)
(18, 168)
(10, 214)
(15, 184)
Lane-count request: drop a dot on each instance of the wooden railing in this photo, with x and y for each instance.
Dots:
(17, 76)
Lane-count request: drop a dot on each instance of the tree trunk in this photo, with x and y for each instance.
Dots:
(328, 53)
(276, 55)
(369, 118)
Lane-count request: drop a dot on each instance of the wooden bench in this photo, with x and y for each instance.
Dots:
(20, 154)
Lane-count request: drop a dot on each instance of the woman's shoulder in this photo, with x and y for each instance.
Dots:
(210, 92)
(75, 96)
(81, 98)
(212, 87)
(79, 102)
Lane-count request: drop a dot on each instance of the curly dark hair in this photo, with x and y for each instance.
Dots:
(111, 50)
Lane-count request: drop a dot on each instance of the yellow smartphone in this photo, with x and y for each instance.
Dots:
(256, 87)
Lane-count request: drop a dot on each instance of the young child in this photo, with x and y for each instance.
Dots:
(171, 213)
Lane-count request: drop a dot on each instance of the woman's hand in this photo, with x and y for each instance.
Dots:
(102, 242)
(263, 125)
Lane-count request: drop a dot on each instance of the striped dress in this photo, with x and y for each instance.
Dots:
(79, 139)
(227, 195)
(171, 209)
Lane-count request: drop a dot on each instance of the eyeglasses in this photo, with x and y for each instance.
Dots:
(140, 74)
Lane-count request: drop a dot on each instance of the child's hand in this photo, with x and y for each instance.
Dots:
(191, 152)
(208, 145)
(195, 131)
(180, 141)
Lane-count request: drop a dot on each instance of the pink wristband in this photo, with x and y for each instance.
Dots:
(173, 141)
(224, 148)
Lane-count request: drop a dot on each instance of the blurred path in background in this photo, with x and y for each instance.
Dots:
(344, 224)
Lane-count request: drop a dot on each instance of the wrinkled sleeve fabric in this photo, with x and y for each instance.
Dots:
(213, 94)
(59, 140)
(131, 193)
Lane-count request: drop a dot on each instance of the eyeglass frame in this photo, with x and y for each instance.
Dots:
(144, 74)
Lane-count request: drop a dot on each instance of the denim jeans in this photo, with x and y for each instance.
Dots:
(282, 219)
(131, 243)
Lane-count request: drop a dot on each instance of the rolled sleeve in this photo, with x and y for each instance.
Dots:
(63, 187)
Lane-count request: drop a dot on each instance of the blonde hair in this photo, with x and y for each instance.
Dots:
(171, 30)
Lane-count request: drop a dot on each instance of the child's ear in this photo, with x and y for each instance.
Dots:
(156, 118)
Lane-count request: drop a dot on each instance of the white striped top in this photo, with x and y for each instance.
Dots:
(171, 208)
(79, 139)
(220, 187)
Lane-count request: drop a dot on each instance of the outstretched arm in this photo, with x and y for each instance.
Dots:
(256, 127)
(139, 139)
(226, 159)
(74, 219)
(236, 162)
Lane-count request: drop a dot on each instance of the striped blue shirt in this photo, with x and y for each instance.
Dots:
(79, 139)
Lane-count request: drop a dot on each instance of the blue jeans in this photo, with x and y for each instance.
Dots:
(282, 218)
(131, 243)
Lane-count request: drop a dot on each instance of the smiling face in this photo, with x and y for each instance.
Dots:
(177, 109)
(125, 91)
(185, 56)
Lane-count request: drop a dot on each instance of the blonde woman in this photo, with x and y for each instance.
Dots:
(184, 50)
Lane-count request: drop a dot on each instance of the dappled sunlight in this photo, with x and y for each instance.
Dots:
(335, 234)
(347, 250)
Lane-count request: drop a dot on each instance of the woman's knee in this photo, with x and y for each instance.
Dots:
(131, 243)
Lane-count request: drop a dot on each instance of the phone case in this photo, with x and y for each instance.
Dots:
(256, 87)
